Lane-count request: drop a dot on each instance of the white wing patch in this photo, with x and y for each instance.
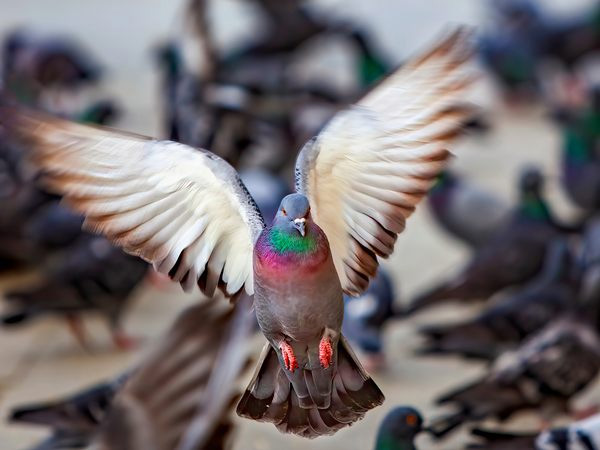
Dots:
(181, 209)
(367, 170)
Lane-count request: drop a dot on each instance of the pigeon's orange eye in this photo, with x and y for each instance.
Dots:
(283, 211)
(411, 419)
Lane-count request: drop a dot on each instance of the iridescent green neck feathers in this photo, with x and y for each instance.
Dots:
(283, 241)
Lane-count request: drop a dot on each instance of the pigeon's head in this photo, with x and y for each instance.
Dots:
(401, 423)
(293, 213)
(531, 180)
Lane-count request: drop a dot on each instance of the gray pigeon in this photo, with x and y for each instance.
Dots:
(471, 214)
(187, 212)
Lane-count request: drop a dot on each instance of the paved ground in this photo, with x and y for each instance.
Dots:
(41, 361)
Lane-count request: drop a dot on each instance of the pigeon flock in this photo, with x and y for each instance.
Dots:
(274, 200)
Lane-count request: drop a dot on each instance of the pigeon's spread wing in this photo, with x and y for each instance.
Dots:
(371, 165)
(181, 395)
(182, 209)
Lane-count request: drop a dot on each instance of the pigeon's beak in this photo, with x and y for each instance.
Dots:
(299, 224)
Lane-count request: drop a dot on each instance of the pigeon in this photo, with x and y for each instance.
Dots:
(542, 374)
(399, 428)
(589, 262)
(501, 440)
(583, 434)
(512, 318)
(512, 257)
(76, 416)
(580, 159)
(365, 316)
(470, 214)
(266, 189)
(155, 404)
(89, 275)
(186, 211)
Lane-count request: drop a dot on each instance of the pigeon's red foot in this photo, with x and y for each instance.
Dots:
(124, 342)
(325, 352)
(289, 359)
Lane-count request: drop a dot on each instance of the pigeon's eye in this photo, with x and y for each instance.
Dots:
(283, 211)
(411, 420)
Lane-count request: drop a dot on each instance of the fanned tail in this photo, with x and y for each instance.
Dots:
(307, 406)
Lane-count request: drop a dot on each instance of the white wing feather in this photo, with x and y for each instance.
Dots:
(183, 210)
(371, 165)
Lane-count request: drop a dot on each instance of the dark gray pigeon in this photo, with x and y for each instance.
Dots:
(183, 390)
(512, 257)
(187, 212)
(508, 321)
(367, 314)
(542, 374)
(90, 275)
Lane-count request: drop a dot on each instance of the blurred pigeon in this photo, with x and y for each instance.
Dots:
(266, 189)
(47, 61)
(468, 213)
(514, 317)
(189, 375)
(364, 317)
(589, 262)
(512, 257)
(398, 429)
(501, 440)
(581, 157)
(89, 275)
(583, 434)
(542, 374)
(78, 415)
(186, 211)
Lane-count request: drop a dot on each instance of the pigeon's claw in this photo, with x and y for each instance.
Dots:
(325, 352)
(289, 359)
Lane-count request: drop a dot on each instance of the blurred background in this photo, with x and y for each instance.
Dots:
(253, 80)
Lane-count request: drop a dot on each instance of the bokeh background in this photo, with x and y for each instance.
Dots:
(40, 360)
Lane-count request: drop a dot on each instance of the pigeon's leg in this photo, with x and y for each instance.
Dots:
(326, 349)
(580, 414)
(289, 358)
(123, 341)
(77, 330)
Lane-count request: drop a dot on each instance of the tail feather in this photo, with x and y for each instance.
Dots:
(445, 424)
(272, 397)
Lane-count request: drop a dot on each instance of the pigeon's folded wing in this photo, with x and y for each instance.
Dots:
(371, 165)
(182, 209)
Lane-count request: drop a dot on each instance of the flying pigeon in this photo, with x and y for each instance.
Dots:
(183, 390)
(186, 211)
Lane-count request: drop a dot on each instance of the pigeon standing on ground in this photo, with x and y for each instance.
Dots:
(399, 429)
(512, 318)
(466, 212)
(365, 316)
(542, 374)
(90, 275)
(581, 159)
(581, 435)
(512, 257)
(186, 211)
